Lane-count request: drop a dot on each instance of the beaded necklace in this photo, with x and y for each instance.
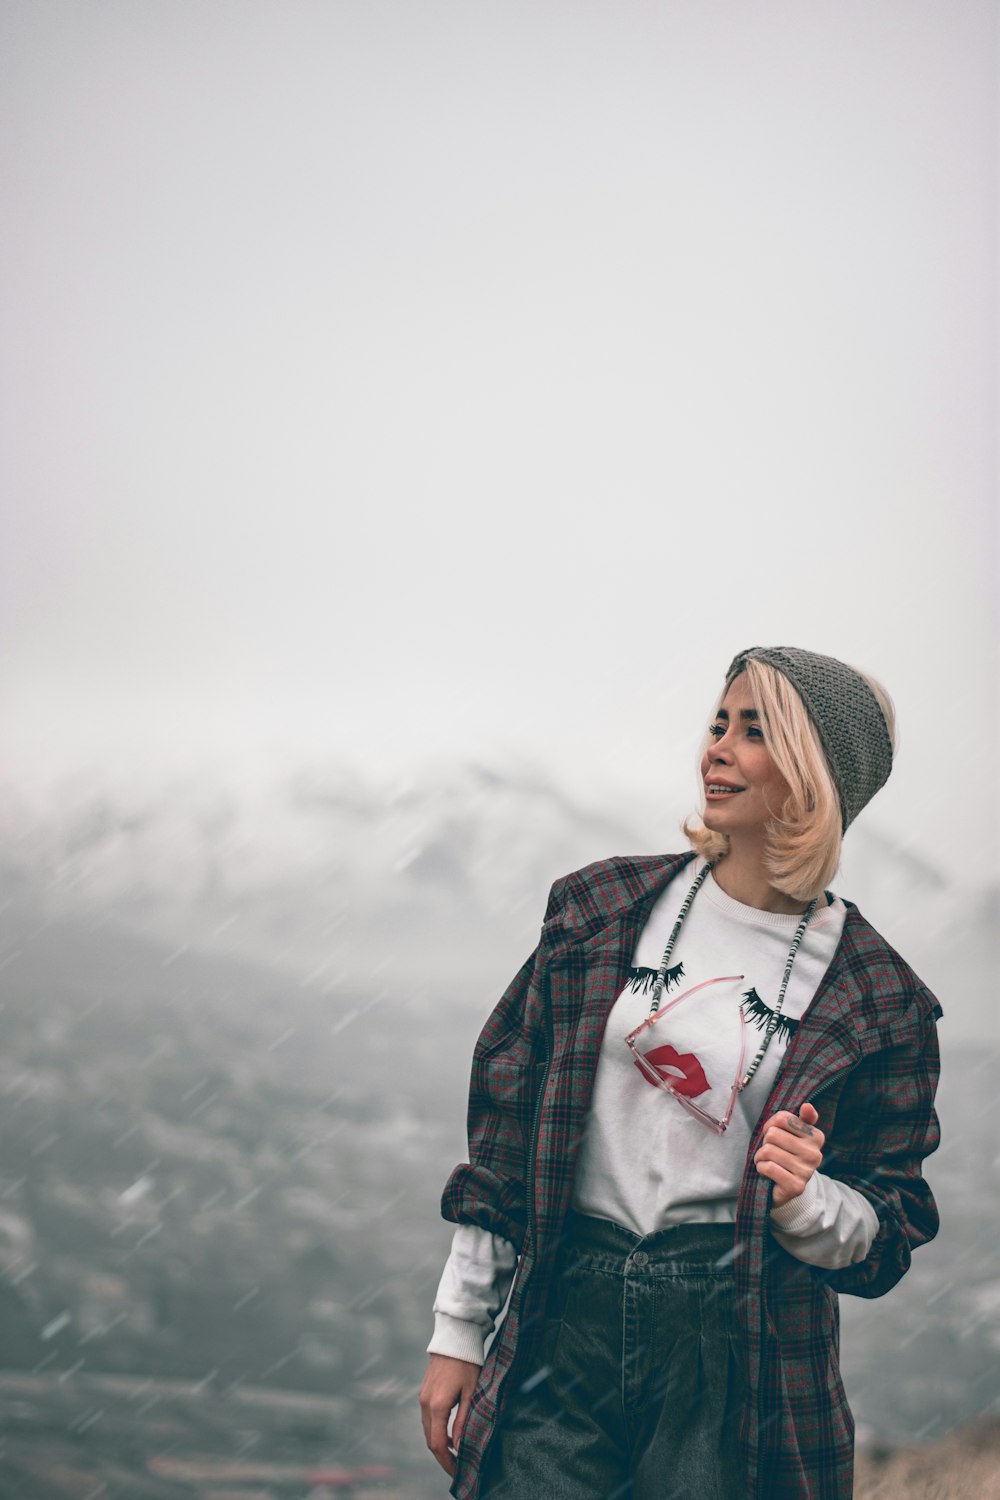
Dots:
(661, 973)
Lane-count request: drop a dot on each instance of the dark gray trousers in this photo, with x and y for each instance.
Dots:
(638, 1383)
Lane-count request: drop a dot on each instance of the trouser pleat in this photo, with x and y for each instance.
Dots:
(637, 1381)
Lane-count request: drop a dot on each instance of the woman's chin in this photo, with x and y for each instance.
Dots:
(722, 820)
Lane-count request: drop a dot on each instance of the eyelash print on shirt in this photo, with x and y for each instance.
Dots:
(759, 1014)
(642, 980)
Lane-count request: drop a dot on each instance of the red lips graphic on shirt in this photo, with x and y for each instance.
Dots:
(691, 1080)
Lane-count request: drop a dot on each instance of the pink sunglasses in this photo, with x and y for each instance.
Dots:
(669, 1085)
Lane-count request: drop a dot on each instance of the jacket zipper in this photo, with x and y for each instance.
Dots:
(536, 1117)
(763, 1283)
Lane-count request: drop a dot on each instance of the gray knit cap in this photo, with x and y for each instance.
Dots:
(851, 725)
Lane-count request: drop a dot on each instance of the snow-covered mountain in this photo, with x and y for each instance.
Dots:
(342, 881)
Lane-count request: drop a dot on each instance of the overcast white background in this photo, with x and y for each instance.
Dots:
(389, 380)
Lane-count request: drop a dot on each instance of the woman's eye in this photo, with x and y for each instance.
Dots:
(754, 731)
(715, 730)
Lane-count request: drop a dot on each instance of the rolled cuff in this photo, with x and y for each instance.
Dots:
(490, 1201)
(458, 1340)
(800, 1215)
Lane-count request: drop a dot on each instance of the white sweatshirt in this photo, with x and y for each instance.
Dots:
(644, 1161)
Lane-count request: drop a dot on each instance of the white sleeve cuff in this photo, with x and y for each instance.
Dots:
(830, 1224)
(457, 1339)
(799, 1215)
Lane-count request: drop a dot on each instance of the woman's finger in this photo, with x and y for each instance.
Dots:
(795, 1170)
(438, 1442)
(776, 1171)
(799, 1166)
(790, 1156)
(797, 1125)
(794, 1150)
(786, 1186)
(780, 1130)
(459, 1424)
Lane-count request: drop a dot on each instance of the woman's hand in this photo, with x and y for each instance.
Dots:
(791, 1151)
(446, 1382)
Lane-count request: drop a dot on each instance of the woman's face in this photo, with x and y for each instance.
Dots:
(744, 790)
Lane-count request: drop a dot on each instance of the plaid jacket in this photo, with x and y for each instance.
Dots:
(865, 1054)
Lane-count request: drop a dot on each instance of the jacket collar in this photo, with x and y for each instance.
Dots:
(827, 1040)
(589, 923)
(847, 1019)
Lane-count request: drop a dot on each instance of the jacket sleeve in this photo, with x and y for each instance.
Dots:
(508, 1066)
(886, 1125)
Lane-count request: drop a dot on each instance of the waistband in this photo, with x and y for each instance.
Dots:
(602, 1244)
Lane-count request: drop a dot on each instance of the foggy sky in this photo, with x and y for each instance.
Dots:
(382, 380)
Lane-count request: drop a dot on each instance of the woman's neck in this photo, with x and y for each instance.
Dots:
(742, 875)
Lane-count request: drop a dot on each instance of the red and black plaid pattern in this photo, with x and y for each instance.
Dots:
(865, 1054)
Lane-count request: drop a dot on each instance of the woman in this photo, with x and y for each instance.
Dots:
(698, 1113)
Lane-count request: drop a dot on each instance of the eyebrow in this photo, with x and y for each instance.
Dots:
(745, 713)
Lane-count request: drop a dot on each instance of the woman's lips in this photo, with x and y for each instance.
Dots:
(665, 1060)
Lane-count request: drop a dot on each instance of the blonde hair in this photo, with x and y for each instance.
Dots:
(802, 845)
